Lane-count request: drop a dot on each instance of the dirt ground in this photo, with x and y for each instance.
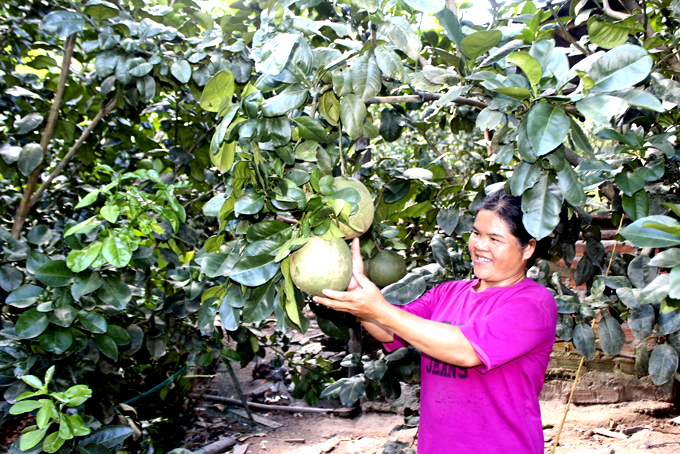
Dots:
(622, 428)
(646, 427)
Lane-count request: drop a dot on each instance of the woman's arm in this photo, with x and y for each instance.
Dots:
(438, 340)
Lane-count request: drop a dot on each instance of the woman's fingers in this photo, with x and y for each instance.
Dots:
(357, 261)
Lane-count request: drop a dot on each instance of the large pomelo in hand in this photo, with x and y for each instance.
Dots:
(386, 268)
(363, 218)
(321, 264)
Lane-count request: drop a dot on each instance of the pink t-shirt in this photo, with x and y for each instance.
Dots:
(491, 408)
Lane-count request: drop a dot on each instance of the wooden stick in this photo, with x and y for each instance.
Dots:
(287, 408)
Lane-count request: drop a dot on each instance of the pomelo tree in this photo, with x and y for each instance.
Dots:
(159, 164)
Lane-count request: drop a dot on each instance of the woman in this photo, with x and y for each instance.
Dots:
(485, 343)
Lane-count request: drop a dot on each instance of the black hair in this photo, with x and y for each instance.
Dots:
(509, 208)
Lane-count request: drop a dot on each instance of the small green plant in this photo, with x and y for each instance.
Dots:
(52, 409)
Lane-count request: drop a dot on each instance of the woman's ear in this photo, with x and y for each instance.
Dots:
(529, 249)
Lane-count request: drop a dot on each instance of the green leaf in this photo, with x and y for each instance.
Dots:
(479, 43)
(107, 346)
(609, 34)
(389, 62)
(108, 436)
(219, 87)
(30, 158)
(571, 186)
(31, 324)
(56, 339)
(426, 6)
(636, 207)
(119, 335)
(27, 124)
(101, 10)
(293, 97)
(639, 98)
(375, 370)
(524, 177)
(528, 64)
(612, 337)
(93, 322)
(674, 282)
(260, 304)
(449, 21)
(311, 128)
(352, 114)
(116, 252)
(40, 234)
(584, 340)
(276, 53)
(447, 219)
(25, 406)
(249, 203)
(110, 213)
(641, 321)
(348, 390)
(138, 66)
(666, 259)
(54, 274)
(368, 5)
(663, 363)
(62, 24)
(518, 93)
(80, 260)
(88, 200)
(366, 77)
(329, 106)
(602, 108)
(541, 209)
(547, 127)
(406, 290)
(629, 182)
(398, 30)
(31, 439)
(24, 296)
(230, 316)
(255, 270)
(181, 69)
(114, 292)
(620, 68)
(641, 235)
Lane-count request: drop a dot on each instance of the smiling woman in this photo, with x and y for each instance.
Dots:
(482, 366)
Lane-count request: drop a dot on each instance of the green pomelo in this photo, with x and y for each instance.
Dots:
(367, 268)
(363, 218)
(387, 267)
(321, 264)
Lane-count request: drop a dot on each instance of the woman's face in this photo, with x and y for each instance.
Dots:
(497, 257)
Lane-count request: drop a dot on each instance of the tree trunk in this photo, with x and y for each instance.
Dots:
(25, 204)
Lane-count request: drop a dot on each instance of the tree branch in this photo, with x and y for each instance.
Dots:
(64, 162)
(565, 33)
(25, 205)
(423, 97)
(611, 13)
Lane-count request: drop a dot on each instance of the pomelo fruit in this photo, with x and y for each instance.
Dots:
(386, 268)
(363, 218)
(321, 264)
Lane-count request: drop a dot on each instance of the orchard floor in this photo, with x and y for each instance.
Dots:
(370, 431)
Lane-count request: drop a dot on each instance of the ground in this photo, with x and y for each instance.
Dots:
(367, 433)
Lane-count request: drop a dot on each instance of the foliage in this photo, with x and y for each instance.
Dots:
(188, 155)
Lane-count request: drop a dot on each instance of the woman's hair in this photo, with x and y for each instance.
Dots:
(509, 208)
